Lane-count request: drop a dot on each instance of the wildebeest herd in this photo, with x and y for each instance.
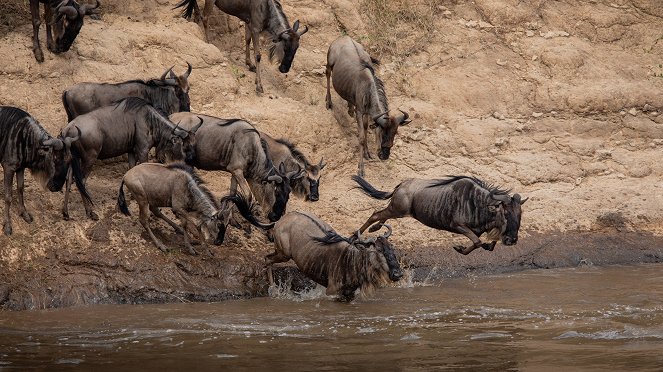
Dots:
(112, 119)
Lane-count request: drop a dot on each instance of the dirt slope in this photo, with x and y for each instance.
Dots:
(562, 101)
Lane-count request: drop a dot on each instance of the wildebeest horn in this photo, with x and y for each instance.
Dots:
(54, 143)
(69, 11)
(163, 77)
(376, 117)
(322, 163)
(195, 129)
(300, 33)
(188, 71)
(275, 178)
(69, 140)
(284, 35)
(517, 199)
(406, 117)
(176, 127)
(389, 231)
(88, 9)
(504, 198)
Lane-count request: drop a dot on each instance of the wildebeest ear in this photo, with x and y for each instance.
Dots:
(322, 164)
(295, 26)
(282, 168)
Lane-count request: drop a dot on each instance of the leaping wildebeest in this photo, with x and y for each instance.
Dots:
(131, 126)
(353, 76)
(24, 143)
(235, 146)
(169, 93)
(259, 16)
(65, 17)
(338, 263)
(459, 204)
(283, 151)
(177, 186)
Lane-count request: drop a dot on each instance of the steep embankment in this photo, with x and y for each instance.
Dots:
(560, 101)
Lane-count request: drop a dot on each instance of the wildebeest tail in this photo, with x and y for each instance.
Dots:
(245, 210)
(122, 201)
(78, 174)
(369, 190)
(189, 7)
(67, 109)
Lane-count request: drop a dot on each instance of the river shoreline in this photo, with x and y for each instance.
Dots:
(62, 278)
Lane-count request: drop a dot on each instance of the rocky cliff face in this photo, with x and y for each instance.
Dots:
(560, 101)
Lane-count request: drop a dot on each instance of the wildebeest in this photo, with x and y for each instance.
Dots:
(284, 151)
(176, 186)
(338, 263)
(66, 19)
(259, 16)
(131, 127)
(234, 146)
(353, 76)
(24, 143)
(170, 94)
(459, 204)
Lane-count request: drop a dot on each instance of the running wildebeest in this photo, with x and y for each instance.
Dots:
(283, 151)
(24, 143)
(66, 19)
(259, 16)
(131, 126)
(353, 76)
(170, 94)
(235, 146)
(177, 186)
(340, 264)
(459, 204)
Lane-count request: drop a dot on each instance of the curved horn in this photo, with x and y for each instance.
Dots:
(300, 33)
(163, 77)
(376, 117)
(69, 140)
(88, 9)
(322, 163)
(406, 118)
(195, 129)
(517, 199)
(504, 198)
(389, 231)
(68, 11)
(188, 72)
(283, 35)
(54, 143)
(275, 178)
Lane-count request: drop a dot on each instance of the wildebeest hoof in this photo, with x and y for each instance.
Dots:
(329, 105)
(27, 217)
(462, 250)
(93, 216)
(8, 229)
(192, 251)
(65, 215)
(252, 68)
(488, 246)
(259, 89)
(375, 227)
(163, 248)
(39, 55)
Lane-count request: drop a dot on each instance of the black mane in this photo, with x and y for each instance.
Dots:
(294, 150)
(132, 104)
(379, 85)
(228, 122)
(331, 236)
(495, 190)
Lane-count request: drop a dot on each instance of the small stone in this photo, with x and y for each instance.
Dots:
(501, 63)
(483, 24)
(578, 181)
(208, 106)
(529, 33)
(447, 13)
(471, 24)
(537, 114)
(553, 34)
(318, 71)
(633, 111)
(498, 115)
(647, 107)
(534, 58)
(622, 113)
(223, 64)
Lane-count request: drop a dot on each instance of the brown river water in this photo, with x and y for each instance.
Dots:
(584, 319)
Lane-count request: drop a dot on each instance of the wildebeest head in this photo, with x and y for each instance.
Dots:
(181, 85)
(179, 145)
(53, 159)
(384, 258)
(312, 181)
(386, 126)
(213, 227)
(285, 46)
(281, 180)
(67, 23)
(508, 212)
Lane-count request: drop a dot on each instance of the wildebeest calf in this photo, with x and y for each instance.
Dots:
(176, 186)
(459, 204)
(340, 264)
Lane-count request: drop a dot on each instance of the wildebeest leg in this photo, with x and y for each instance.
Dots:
(351, 109)
(238, 177)
(207, 11)
(184, 220)
(470, 235)
(9, 178)
(132, 160)
(256, 50)
(22, 211)
(270, 260)
(328, 99)
(144, 220)
(247, 40)
(36, 22)
(489, 246)
(87, 167)
(48, 15)
(67, 190)
(157, 212)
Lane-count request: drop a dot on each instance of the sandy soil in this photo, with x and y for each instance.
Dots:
(560, 101)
